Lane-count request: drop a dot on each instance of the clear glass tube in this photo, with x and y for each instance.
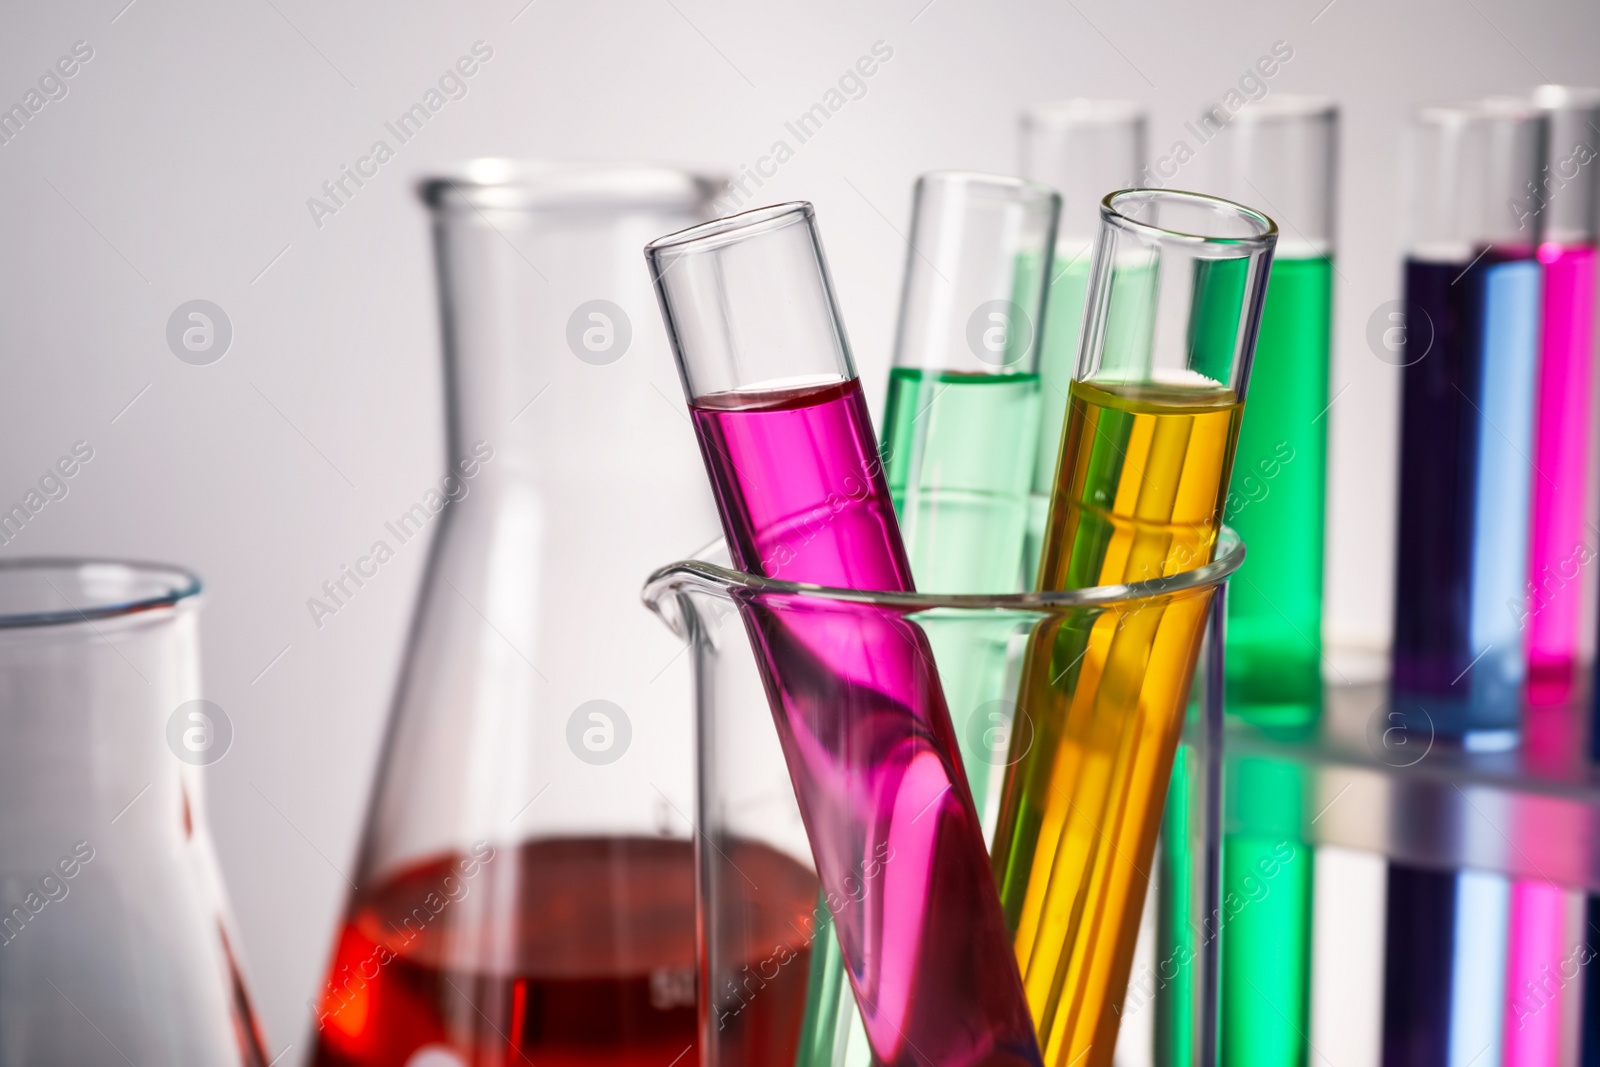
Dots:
(115, 941)
(526, 875)
(758, 922)
(1084, 149)
(1567, 200)
(1468, 347)
(857, 702)
(1281, 155)
(1170, 327)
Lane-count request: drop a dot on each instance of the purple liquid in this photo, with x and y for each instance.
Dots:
(865, 731)
(1466, 430)
(1419, 940)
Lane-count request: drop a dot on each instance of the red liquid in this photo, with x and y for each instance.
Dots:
(568, 952)
(865, 730)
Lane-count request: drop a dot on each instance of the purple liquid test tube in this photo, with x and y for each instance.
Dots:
(855, 695)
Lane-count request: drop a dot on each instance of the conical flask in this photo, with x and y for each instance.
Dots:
(525, 889)
(114, 943)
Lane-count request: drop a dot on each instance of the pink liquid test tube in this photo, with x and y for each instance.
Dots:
(872, 755)
(1563, 209)
(1561, 213)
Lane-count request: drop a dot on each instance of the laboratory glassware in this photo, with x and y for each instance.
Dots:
(1566, 200)
(760, 914)
(526, 875)
(961, 423)
(115, 942)
(857, 702)
(1176, 286)
(1281, 155)
(1468, 350)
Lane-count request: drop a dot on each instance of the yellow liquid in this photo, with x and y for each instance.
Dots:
(1138, 495)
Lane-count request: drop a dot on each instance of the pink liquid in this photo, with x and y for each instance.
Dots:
(1534, 974)
(865, 731)
(1560, 458)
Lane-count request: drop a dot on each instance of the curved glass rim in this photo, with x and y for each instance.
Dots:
(1553, 96)
(1111, 213)
(1082, 111)
(175, 584)
(1280, 107)
(1483, 109)
(708, 236)
(1230, 554)
(497, 182)
(1023, 188)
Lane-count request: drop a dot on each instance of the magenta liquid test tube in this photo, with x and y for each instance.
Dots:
(1559, 545)
(855, 696)
(1561, 207)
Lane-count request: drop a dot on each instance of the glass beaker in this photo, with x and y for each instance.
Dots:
(759, 909)
(1175, 292)
(114, 942)
(526, 878)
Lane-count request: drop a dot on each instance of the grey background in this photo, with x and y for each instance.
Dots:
(179, 164)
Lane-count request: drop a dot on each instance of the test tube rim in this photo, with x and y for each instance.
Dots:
(1287, 107)
(729, 229)
(1035, 190)
(172, 585)
(1230, 554)
(1451, 113)
(1247, 244)
(499, 182)
(1082, 111)
(1555, 96)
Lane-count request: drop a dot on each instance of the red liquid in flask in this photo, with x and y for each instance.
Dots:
(568, 952)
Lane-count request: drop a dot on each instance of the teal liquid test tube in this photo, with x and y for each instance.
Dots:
(960, 433)
(1083, 149)
(1280, 155)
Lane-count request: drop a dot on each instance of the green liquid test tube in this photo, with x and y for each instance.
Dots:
(959, 435)
(1280, 157)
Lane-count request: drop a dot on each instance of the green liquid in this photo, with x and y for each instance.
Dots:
(958, 455)
(1276, 504)
(957, 451)
(1266, 942)
(1274, 680)
(1181, 943)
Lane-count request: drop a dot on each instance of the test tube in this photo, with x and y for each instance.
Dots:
(1468, 352)
(1171, 316)
(1084, 149)
(1280, 155)
(962, 420)
(858, 705)
(1564, 199)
